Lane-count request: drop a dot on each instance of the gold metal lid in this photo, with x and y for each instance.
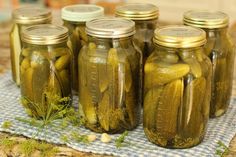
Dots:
(206, 19)
(179, 36)
(45, 34)
(110, 28)
(138, 11)
(31, 15)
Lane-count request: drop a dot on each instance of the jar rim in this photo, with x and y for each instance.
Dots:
(82, 12)
(31, 15)
(137, 11)
(110, 27)
(179, 36)
(45, 34)
(206, 19)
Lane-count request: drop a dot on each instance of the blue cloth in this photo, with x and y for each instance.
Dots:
(219, 129)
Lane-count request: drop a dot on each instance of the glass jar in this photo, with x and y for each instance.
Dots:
(109, 76)
(177, 87)
(45, 70)
(23, 17)
(75, 17)
(145, 17)
(220, 50)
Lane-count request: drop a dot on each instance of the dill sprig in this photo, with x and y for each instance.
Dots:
(121, 139)
(7, 124)
(221, 149)
(7, 143)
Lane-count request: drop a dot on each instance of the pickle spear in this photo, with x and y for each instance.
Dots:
(104, 112)
(15, 52)
(195, 67)
(160, 74)
(192, 116)
(167, 110)
(26, 84)
(150, 107)
(128, 76)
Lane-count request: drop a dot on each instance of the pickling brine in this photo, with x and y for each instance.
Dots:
(24, 17)
(220, 49)
(177, 88)
(75, 17)
(45, 71)
(109, 77)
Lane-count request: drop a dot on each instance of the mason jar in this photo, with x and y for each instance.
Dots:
(145, 17)
(75, 17)
(109, 76)
(177, 87)
(23, 17)
(220, 50)
(45, 70)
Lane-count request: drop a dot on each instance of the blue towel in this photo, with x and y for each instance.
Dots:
(219, 129)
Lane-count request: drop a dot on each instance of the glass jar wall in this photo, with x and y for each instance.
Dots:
(45, 70)
(177, 88)
(109, 76)
(220, 50)
(23, 17)
(75, 17)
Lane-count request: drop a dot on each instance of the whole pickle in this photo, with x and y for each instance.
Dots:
(26, 83)
(57, 53)
(62, 62)
(128, 76)
(15, 47)
(40, 79)
(169, 58)
(190, 112)
(104, 112)
(167, 110)
(103, 80)
(151, 101)
(160, 74)
(64, 77)
(25, 64)
(195, 67)
(88, 105)
(132, 108)
(219, 87)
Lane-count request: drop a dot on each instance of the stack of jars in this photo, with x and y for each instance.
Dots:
(180, 74)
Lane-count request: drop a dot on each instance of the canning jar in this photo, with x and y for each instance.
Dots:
(22, 18)
(45, 70)
(220, 50)
(145, 17)
(109, 76)
(75, 17)
(177, 88)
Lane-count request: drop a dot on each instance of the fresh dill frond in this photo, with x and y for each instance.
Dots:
(121, 139)
(6, 124)
(28, 147)
(7, 143)
(79, 137)
(221, 149)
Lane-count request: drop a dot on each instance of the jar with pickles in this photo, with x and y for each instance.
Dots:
(75, 17)
(145, 17)
(220, 50)
(109, 76)
(23, 17)
(45, 70)
(177, 87)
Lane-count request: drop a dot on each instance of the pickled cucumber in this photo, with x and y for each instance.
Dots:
(88, 105)
(62, 62)
(160, 74)
(104, 112)
(167, 110)
(128, 76)
(195, 67)
(15, 47)
(151, 101)
(189, 125)
(26, 84)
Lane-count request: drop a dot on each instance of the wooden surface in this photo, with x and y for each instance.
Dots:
(63, 150)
